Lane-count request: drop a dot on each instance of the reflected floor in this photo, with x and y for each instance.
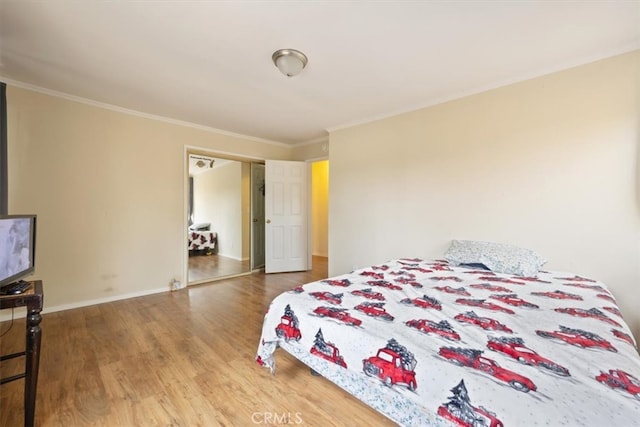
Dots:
(203, 267)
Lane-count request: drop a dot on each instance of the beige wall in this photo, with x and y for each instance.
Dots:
(218, 200)
(311, 151)
(320, 208)
(549, 164)
(109, 190)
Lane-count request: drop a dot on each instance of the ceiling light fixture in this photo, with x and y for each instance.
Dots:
(290, 62)
(201, 161)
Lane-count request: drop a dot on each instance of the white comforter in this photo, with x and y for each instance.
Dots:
(426, 343)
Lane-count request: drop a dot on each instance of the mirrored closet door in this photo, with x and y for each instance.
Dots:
(219, 217)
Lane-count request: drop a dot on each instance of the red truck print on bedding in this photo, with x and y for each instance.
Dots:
(624, 337)
(461, 412)
(369, 294)
(576, 279)
(500, 279)
(514, 347)
(374, 309)
(592, 313)
(446, 278)
(420, 269)
(408, 281)
(335, 282)
(424, 302)
(474, 359)
(606, 297)
(328, 297)
(339, 314)
(411, 260)
(440, 267)
(514, 300)
(288, 326)
(451, 290)
(384, 284)
(482, 303)
(393, 364)
(407, 263)
(532, 279)
(578, 337)
(403, 275)
(481, 272)
(442, 328)
(567, 367)
(490, 287)
(373, 274)
(618, 379)
(558, 295)
(485, 323)
(585, 286)
(613, 310)
(326, 350)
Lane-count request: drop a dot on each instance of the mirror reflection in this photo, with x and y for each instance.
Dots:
(219, 217)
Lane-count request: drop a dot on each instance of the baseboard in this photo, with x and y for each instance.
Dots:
(233, 257)
(22, 311)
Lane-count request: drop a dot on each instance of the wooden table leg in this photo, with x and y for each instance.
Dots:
(32, 362)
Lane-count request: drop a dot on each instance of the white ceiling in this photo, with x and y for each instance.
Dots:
(209, 62)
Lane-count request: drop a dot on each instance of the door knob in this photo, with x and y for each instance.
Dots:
(268, 221)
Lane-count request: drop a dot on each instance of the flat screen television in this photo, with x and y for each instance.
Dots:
(17, 247)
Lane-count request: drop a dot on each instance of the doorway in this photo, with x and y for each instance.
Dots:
(226, 197)
(218, 217)
(320, 209)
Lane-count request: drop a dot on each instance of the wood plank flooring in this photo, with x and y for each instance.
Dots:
(206, 267)
(184, 358)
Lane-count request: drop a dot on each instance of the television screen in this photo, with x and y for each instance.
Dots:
(17, 247)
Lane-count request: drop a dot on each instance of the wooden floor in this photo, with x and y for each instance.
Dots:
(205, 267)
(175, 359)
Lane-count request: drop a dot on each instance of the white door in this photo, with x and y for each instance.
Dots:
(285, 216)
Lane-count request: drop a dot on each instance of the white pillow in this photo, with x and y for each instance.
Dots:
(497, 257)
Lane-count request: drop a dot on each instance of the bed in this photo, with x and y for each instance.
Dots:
(442, 342)
(202, 240)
